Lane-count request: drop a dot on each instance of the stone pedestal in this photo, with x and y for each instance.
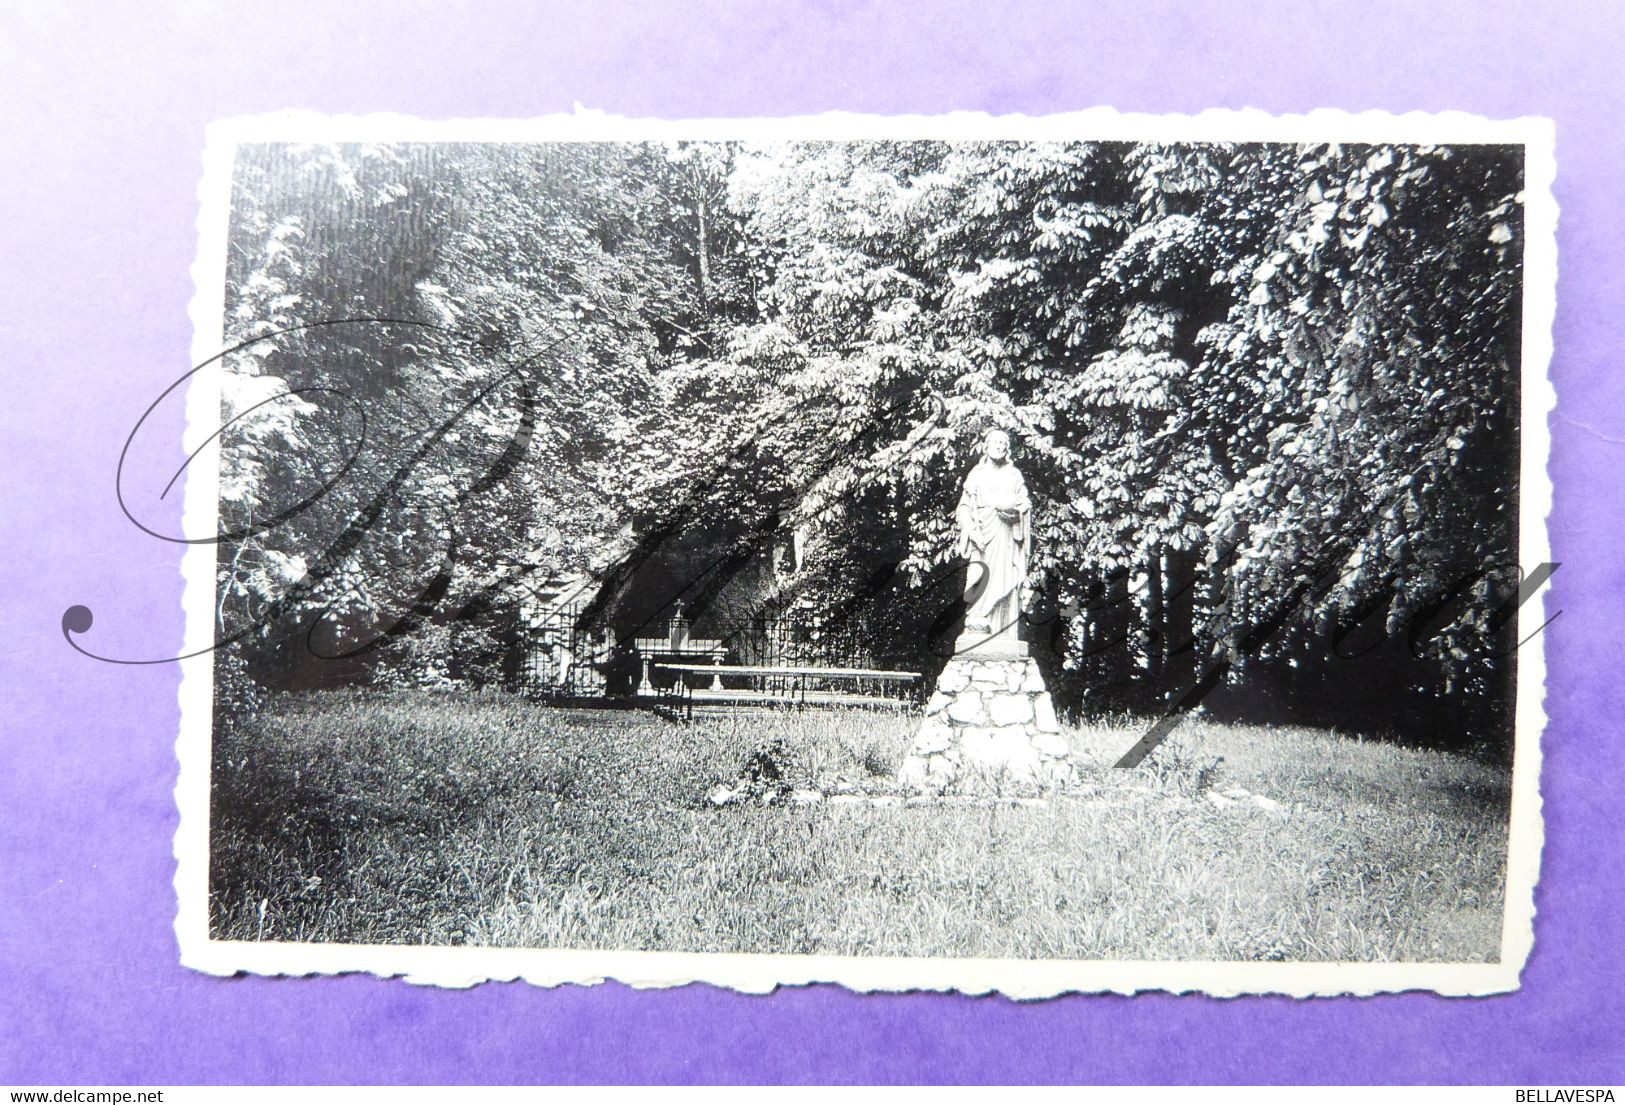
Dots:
(989, 725)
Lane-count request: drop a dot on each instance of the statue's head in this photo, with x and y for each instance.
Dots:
(996, 446)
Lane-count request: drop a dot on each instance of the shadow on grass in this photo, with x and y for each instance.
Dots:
(443, 819)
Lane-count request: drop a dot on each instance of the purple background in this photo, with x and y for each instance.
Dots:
(102, 110)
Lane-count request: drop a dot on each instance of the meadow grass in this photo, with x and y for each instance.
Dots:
(406, 817)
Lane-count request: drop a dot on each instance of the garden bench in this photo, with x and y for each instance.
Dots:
(781, 686)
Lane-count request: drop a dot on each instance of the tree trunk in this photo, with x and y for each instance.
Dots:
(704, 248)
(1156, 620)
(1180, 626)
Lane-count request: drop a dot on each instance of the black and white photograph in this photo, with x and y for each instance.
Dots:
(1025, 555)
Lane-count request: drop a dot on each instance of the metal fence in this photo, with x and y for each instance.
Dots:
(796, 640)
(565, 657)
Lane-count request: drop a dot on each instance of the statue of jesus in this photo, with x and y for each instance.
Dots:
(995, 535)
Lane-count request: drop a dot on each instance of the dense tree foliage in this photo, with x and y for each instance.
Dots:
(1265, 396)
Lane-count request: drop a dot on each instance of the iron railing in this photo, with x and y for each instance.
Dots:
(565, 656)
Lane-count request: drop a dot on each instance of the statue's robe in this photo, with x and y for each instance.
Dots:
(1000, 546)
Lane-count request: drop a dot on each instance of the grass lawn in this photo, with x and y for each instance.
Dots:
(391, 817)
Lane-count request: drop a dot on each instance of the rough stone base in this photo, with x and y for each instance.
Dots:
(990, 725)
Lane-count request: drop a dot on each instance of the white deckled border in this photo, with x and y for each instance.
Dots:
(465, 966)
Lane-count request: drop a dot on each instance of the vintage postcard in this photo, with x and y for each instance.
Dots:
(1030, 555)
